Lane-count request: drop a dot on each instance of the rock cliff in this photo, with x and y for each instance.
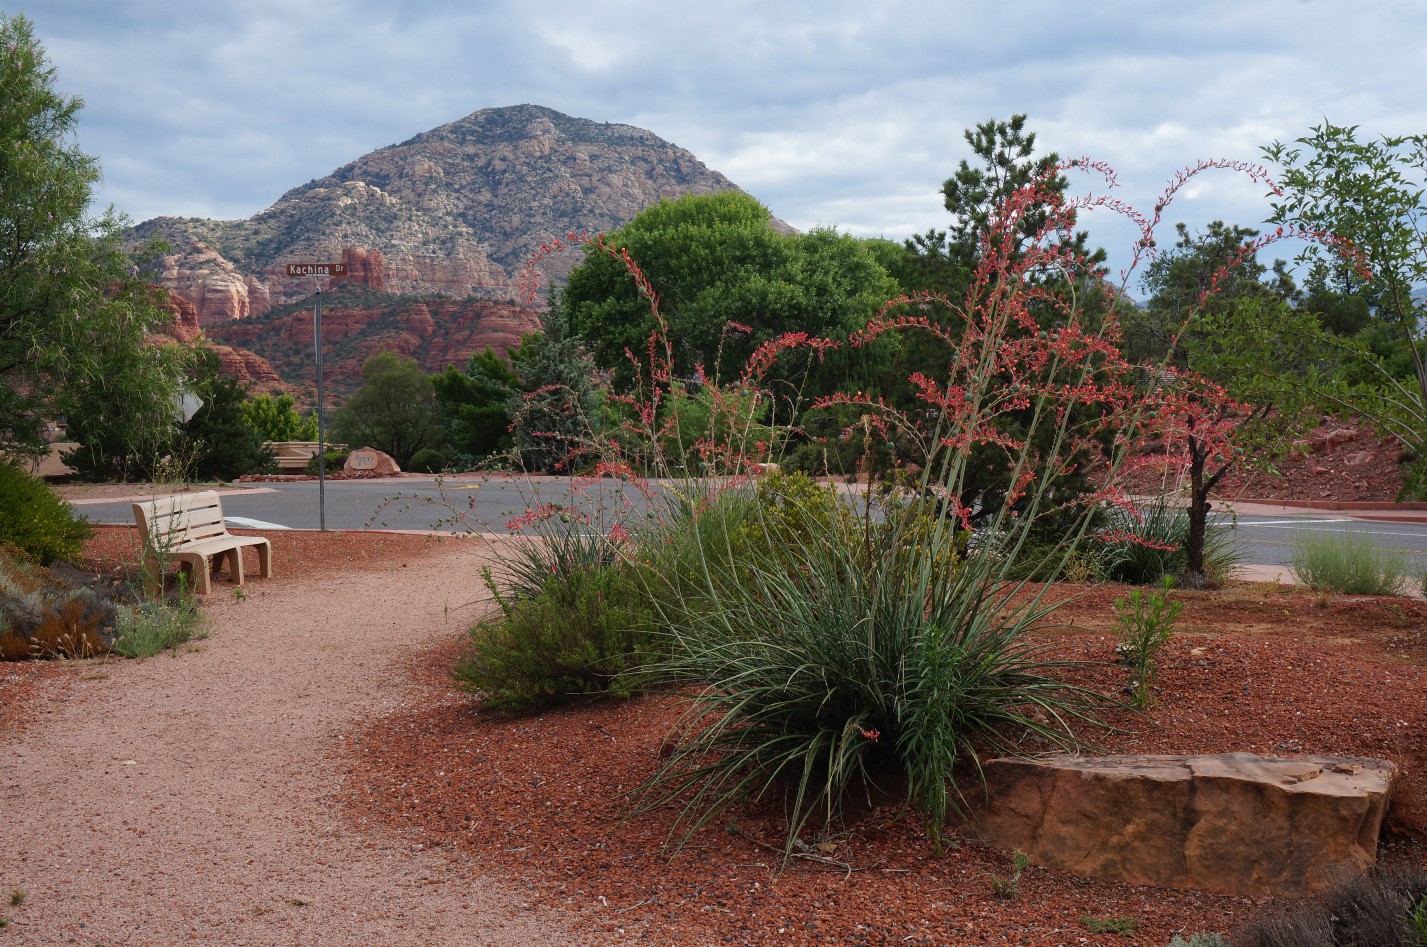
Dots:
(436, 332)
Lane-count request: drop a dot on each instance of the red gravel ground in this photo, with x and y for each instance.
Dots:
(545, 798)
(542, 801)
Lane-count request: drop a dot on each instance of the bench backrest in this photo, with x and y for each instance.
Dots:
(177, 521)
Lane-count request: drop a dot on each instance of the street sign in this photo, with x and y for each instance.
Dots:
(317, 269)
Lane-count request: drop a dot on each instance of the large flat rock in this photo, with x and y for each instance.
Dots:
(1232, 823)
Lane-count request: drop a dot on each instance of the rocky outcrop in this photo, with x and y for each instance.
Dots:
(457, 210)
(435, 332)
(252, 370)
(1232, 823)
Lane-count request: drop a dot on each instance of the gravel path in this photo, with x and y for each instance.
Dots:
(190, 798)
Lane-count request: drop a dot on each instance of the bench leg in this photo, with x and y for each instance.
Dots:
(265, 560)
(196, 568)
(235, 568)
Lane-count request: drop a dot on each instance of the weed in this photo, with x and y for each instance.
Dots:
(298, 902)
(1416, 920)
(1349, 563)
(1006, 888)
(17, 898)
(1146, 624)
(238, 594)
(1125, 926)
(145, 629)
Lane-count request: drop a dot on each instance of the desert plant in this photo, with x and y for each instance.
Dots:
(1144, 546)
(1350, 563)
(1381, 909)
(1006, 888)
(1125, 926)
(36, 520)
(146, 628)
(874, 663)
(1145, 624)
(1198, 940)
(578, 634)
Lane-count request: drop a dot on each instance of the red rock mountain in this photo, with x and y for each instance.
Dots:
(455, 211)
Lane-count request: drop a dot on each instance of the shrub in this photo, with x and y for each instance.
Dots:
(1350, 563)
(1371, 910)
(426, 460)
(1199, 940)
(147, 628)
(579, 634)
(1142, 549)
(36, 520)
(57, 612)
(1146, 623)
(878, 660)
(336, 460)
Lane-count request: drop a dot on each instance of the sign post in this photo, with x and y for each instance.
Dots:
(318, 270)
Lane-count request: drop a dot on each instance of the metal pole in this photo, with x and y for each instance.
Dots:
(321, 424)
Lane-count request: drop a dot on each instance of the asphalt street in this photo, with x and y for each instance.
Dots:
(489, 505)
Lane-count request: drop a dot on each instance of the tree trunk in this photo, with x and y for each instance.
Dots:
(1194, 576)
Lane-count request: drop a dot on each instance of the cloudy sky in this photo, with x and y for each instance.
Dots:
(838, 113)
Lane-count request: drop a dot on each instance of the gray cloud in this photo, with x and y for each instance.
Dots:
(837, 113)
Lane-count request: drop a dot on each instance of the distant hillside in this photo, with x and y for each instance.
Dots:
(455, 211)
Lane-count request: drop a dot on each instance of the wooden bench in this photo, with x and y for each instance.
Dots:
(189, 528)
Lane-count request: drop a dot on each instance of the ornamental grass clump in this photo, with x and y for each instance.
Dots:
(1350, 563)
(1144, 546)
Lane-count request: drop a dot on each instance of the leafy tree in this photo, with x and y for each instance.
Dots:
(556, 416)
(475, 405)
(1370, 193)
(75, 319)
(716, 261)
(219, 439)
(276, 419)
(394, 410)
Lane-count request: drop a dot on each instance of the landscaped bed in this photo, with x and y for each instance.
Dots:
(1253, 667)
(540, 800)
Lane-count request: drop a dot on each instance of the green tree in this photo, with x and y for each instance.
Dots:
(276, 419)
(557, 414)
(218, 438)
(475, 406)
(75, 319)
(1370, 193)
(716, 260)
(394, 410)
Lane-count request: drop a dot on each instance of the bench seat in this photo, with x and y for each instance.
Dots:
(189, 529)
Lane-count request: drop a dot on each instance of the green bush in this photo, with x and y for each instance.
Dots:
(145, 629)
(1143, 549)
(336, 460)
(427, 460)
(1349, 563)
(36, 520)
(1199, 940)
(580, 634)
(1146, 623)
(827, 669)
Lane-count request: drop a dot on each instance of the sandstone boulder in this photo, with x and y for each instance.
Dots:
(369, 460)
(1231, 823)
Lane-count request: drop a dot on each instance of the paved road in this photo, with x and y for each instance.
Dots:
(488, 505)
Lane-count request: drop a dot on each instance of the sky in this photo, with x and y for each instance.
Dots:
(833, 113)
